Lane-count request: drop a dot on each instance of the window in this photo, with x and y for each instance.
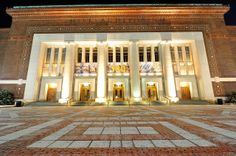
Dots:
(180, 54)
(79, 56)
(172, 51)
(87, 50)
(117, 54)
(48, 55)
(95, 55)
(63, 58)
(56, 54)
(125, 54)
(110, 54)
(141, 50)
(187, 54)
(156, 53)
(149, 56)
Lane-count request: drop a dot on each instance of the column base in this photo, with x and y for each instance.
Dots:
(173, 99)
(136, 99)
(63, 101)
(100, 100)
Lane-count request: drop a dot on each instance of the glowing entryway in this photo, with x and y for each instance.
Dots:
(118, 92)
(52, 92)
(152, 92)
(85, 92)
(185, 91)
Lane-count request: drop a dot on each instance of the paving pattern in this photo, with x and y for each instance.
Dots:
(118, 130)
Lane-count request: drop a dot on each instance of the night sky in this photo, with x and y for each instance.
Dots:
(5, 20)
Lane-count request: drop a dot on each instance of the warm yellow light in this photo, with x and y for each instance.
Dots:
(86, 84)
(184, 84)
(118, 83)
(52, 85)
(151, 83)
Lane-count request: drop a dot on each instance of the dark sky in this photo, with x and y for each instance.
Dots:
(5, 20)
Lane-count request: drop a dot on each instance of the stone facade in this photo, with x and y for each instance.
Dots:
(219, 39)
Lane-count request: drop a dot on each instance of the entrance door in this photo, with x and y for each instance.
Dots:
(51, 94)
(152, 92)
(85, 92)
(185, 92)
(118, 92)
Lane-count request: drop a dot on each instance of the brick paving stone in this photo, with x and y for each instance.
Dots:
(100, 144)
(41, 144)
(143, 143)
(127, 143)
(60, 144)
(163, 143)
(79, 144)
(183, 143)
(111, 130)
(129, 130)
(202, 142)
(94, 130)
(147, 130)
(115, 144)
(175, 138)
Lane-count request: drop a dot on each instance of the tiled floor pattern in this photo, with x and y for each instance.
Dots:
(122, 128)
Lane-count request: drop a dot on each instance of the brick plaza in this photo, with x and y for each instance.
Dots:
(118, 130)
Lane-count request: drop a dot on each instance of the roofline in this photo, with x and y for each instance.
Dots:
(114, 5)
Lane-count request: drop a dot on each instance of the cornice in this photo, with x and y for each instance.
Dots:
(109, 11)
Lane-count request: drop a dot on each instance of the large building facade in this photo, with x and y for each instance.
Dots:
(118, 53)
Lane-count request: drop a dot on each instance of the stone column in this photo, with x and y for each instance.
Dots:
(101, 73)
(168, 72)
(134, 72)
(68, 74)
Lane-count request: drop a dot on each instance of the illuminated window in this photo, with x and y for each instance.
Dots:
(149, 56)
(48, 55)
(187, 54)
(110, 54)
(63, 58)
(125, 54)
(79, 56)
(117, 54)
(180, 54)
(156, 53)
(95, 55)
(56, 54)
(87, 51)
(172, 51)
(141, 55)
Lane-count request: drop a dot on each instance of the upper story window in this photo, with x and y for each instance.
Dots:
(156, 54)
(182, 64)
(63, 58)
(95, 55)
(180, 54)
(172, 52)
(188, 57)
(54, 61)
(48, 56)
(125, 54)
(149, 54)
(141, 54)
(87, 51)
(117, 54)
(79, 56)
(56, 54)
(110, 54)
